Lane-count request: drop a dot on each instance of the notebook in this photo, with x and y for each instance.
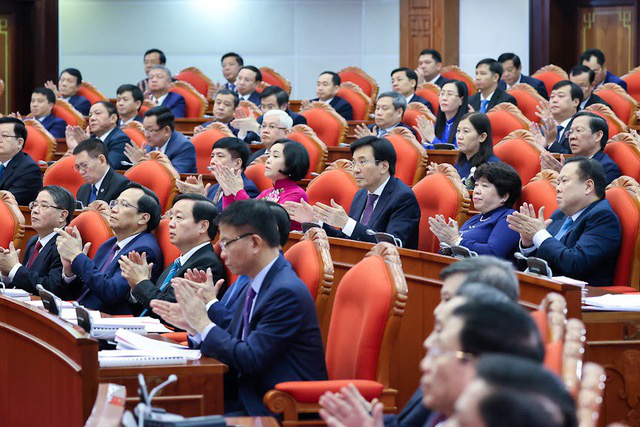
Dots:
(116, 358)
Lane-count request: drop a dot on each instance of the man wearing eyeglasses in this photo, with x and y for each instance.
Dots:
(276, 124)
(102, 182)
(19, 173)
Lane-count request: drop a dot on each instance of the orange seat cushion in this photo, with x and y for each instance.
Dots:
(204, 142)
(539, 193)
(192, 102)
(310, 391)
(333, 184)
(169, 251)
(255, 173)
(304, 259)
(8, 225)
(527, 103)
(36, 145)
(360, 106)
(407, 156)
(625, 209)
(92, 228)
(194, 80)
(553, 357)
(625, 158)
(62, 173)
(327, 127)
(633, 85)
(502, 124)
(136, 136)
(315, 155)
(153, 175)
(521, 155)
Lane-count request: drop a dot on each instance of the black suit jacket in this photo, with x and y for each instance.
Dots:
(112, 185)
(22, 177)
(595, 99)
(115, 143)
(46, 269)
(562, 145)
(442, 80)
(538, 85)
(421, 100)
(341, 106)
(498, 97)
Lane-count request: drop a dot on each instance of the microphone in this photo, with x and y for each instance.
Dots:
(172, 379)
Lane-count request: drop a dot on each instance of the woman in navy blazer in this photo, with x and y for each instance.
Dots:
(475, 144)
(497, 187)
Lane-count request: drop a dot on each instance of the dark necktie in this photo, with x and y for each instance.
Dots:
(174, 269)
(234, 290)
(94, 194)
(246, 313)
(1, 169)
(563, 230)
(483, 105)
(109, 258)
(217, 196)
(34, 254)
(559, 132)
(368, 209)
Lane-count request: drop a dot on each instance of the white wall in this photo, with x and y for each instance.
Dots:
(106, 39)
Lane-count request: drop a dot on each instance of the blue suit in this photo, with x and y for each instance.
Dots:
(54, 125)
(612, 78)
(254, 97)
(399, 125)
(538, 85)
(341, 106)
(46, 269)
(109, 291)
(421, 100)
(222, 315)
(489, 234)
(249, 187)
(80, 103)
(282, 343)
(589, 249)
(611, 169)
(115, 143)
(397, 212)
(181, 152)
(176, 103)
(413, 414)
(22, 177)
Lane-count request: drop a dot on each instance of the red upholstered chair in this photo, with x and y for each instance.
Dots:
(62, 173)
(367, 311)
(169, 251)
(622, 104)
(261, 86)
(520, 150)
(411, 156)
(40, 144)
(249, 108)
(65, 111)
(454, 72)
(615, 124)
(541, 191)
(196, 104)
(430, 91)
(155, 172)
(413, 112)
(336, 182)
(135, 132)
(271, 76)
(255, 172)
(528, 100)
(330, 126)
(12, 221)
(146, 106)
(356, 75)
(506, 118)
(93, 225)
(195, 78)
(550, 75)
(440, 192)
(632, 78)
(90, 92)
(317, 150)
(624, 151)
(360, 102)
(204, 141)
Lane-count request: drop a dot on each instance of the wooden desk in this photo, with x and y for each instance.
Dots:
(252, 421)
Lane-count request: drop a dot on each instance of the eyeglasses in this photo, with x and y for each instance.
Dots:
(42, 205)
(447, 94)
(362, 163)
(6, 136)
(436, 352)
(150, 131)
(82, 167)
(271, 127)
(122, 204)
(224, 245)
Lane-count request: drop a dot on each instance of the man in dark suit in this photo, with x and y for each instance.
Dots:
(594, 59)
(564, 102)
(383, 203)
(488, 73)
(276, 124)
(191, 229)
(151, 57)
(102, 182)
(584, 77)
(19, 174)
(390, 108)
(224, 107)
(53, 208)
(67, 89)
(405, 81)
(429, 66)
(128, 103)
(582, 239)
(327, 88)
(512, 75)
(42, 102)
(274, 336)
(247, 81)
(159, 84)
(99, 284)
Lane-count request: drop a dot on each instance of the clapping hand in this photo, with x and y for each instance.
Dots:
(8, 258)
(193, 185)
(361, 131)
(527, 223)
(133, 152)
(547, 161)
(230, 180)
(426, 129)
(333, 215)
(74, 135)
(134, 268)
(446, 231)
(300, 212)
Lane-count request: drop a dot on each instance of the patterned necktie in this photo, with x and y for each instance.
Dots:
(94, 194)
(368, 209)
(174, 269)
(217, 196)
(34, 254)
(563, 230)
(483, 105)
(246, 314)
(110, 256)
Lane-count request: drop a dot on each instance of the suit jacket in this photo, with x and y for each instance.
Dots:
(589, 249)
(418, 98)
(538, 85)
(611, 169)
(181, 152)
(397, 212)
(80, 103)
(282, 343)
(255, 155)
(54, 125)
(138, 119)
(298, 119)
(341, 106)
(22, 177)
(254, 97)
(231, 300)
(414, 413)
(249, 187)
(400, 125)
(112, 185)
(562, 145)
(442, 81)
(109, 291)
(46, 269)
(498, 97)
(115, 142)
(612, 78)
(176, 103)
(595, 99)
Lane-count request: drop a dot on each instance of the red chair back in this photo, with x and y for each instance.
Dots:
(40, 144)
(136, 135)
(157, 177)
(453, 72)
(170, 252)
(412, 157)
(93, 226)
(12, 220)
(430, 91)
(541, 191)
(196, 104)
(65, 111)
(337, 183)
(528, 100)
(303, 258)
(623, 105)
(625, 154)
(632, 78)
(356, 75)
(550, 75)
(316, 148)
(62, 173)
(255, 172)
(360, 102)
(273, 78)
(328, 125)
(90, 92)
(615, 124)
(204, 142)
(520, 151)
(195, 78)
(506, 118)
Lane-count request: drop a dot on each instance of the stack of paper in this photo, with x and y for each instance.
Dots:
(613, 302)
(18, 294)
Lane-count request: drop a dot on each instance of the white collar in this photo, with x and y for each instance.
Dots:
(124, 242)
(488, 98)
(99, 183)
(519, 80)
(328, 101)
(46, 239)
(163, 147)
(160, 100)
(435, 79)
(104, 136)
(380, 189)
(184, 258)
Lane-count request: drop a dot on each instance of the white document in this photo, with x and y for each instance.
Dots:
(613, 302)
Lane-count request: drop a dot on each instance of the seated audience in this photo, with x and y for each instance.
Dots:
(151, 57)
(231, 63)
(390, 108)
(68, 84)
(497, 187)
(128, 103)
(53, 208)
(276, 124)
(564, 103)
(512, 75)
(101, 181)
(275, 98)
(99, 284)
(452, 101)
(594, 59)
(224, 107)
(405, 81)
(159, 84)
(19, 173)
(475, 144)
(275, 337)
(247, 81)
(383, 203)
(488, 73)
(327, 88)
(429, 66)
(582, 239)
(584, 77)
(42, 102)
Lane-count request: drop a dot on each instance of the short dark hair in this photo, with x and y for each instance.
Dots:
(74, 72)
(148, 203)
(504, 177)
(382, 150)
(441, 119)
(479, 292)
(510, 57)
(335, 77)
(225, 91)
(296, 159)
(51, 97)
(238, 58)
(136, 93)
(236, 147)
(282, 219)
(581, 69)
(596, 123)
(482, 124)
(281, 96)
(411, 75)
(515, 409)
(62, 198)
(93, 147)
(163, 57)
(255, 70)
(19, 129)
(203, 210)
(111, 109)
(576, 91)
(487, 270)
(590, 169)
(494, 66)
(164, 117)
(255, 216)
(587, 54)
(434, 54)
(399, 101)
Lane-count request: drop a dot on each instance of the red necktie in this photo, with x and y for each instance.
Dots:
(34, 254)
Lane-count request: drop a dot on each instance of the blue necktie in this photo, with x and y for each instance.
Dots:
(246, 314)
(368, 209)
(563, 230)
(1, 169)
(382, 133)
(174, 269)
(94, 193)
(483, 105)
(559, 132)
(233, 291)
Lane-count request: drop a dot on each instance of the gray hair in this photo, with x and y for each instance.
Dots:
(163, 68)
(398, 100)
(283, 118)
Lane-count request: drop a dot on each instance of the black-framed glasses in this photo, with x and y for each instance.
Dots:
(122, 204)
(42, 205)
(224, 245)
(5, 136)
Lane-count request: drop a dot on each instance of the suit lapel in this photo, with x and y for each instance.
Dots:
(105, 185)
(357, 206)
(8, 172)
(382, 202)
